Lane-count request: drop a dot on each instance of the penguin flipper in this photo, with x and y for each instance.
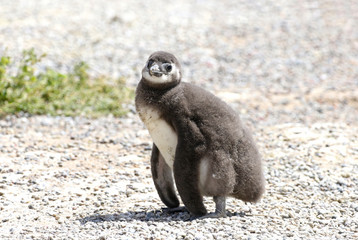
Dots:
(187, 185)
(163, 179)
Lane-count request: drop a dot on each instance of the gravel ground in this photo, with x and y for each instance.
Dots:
(290, 68)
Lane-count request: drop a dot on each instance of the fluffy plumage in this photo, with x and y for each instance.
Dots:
(214, 154)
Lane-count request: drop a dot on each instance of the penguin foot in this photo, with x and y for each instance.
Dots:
(213, 215)
(175, 210)
(220, 202)
(210, 215)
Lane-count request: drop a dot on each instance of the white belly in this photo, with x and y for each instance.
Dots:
(161, 132)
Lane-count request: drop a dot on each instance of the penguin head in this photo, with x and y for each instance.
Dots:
(162, 70)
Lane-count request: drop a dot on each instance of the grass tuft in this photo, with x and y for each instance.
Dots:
(54, 93)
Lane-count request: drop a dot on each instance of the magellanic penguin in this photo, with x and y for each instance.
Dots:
(198, 139)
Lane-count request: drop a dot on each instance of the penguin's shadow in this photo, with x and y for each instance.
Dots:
(144, 216)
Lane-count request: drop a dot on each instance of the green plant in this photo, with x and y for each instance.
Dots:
(54, 93)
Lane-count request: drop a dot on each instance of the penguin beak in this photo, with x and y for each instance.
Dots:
(155, 70)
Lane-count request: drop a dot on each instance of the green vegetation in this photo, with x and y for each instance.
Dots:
(54, 93)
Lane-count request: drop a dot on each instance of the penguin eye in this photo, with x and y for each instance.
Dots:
(150, 63)
(168, 67)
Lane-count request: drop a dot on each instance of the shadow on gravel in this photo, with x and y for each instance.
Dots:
(155, 216)
(152, 216)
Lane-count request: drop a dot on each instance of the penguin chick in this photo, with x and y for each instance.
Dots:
(200, 144)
